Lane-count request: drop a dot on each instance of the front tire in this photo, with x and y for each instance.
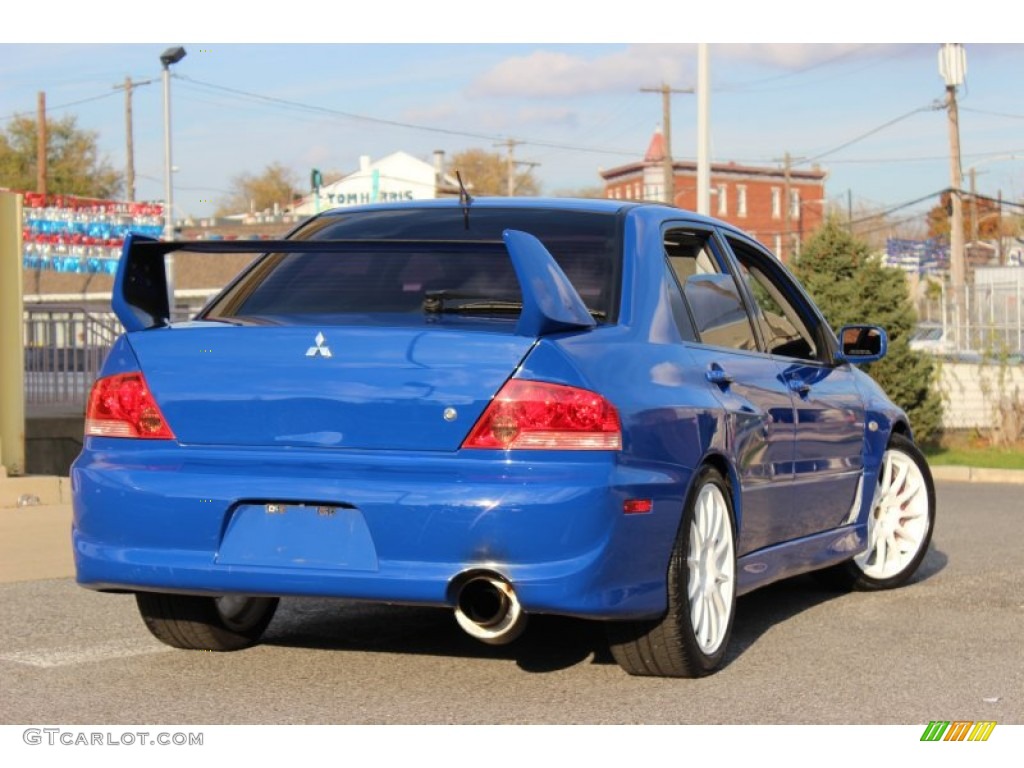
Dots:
(226, 623)
(900, 523)
(690, 639)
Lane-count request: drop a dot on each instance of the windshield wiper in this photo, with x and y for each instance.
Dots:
(436, 302)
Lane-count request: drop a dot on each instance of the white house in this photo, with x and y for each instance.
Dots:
(399, 176)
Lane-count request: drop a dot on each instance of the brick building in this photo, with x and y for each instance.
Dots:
(750, 197)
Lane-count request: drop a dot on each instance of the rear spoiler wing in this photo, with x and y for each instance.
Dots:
(550, 302)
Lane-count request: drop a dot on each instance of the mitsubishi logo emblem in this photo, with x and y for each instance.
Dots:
(320, 349)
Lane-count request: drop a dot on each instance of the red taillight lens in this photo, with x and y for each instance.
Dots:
(539, 416)
(123, 406)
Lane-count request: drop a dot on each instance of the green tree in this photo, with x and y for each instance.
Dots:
(486, 173)
(73, 162)
(249, 192)
(850, 285)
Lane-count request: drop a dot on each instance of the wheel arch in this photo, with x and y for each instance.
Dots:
(725, 468)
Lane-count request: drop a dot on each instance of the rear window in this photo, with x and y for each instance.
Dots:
(417, 265)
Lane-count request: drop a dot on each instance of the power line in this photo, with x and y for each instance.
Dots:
(63, 106)
(900, 207)
(988, 112)
(313, 108)
(809, 68)
(929, 108)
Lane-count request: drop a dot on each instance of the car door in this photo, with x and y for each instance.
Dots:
(829, 411)
(748, 384)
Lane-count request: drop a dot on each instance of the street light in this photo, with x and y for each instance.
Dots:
(168, 57)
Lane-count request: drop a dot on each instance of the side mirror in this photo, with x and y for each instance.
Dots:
(862, 343)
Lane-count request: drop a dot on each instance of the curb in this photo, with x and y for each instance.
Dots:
(978, 475)
(34, 490)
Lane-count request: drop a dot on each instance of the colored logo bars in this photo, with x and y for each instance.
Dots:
(958, 730)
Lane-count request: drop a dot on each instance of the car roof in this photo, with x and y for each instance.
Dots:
(593, 205)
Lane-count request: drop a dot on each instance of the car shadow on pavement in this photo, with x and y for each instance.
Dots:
(770, 606)
(550, 643)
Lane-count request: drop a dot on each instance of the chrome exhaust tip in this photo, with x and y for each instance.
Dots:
(487, 608)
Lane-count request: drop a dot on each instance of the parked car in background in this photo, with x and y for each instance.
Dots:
(614, 411)
(933, 338)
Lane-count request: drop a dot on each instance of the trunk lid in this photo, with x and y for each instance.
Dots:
(331, 386)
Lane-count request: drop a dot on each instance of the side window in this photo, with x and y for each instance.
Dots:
(719, 316)
(785, 331)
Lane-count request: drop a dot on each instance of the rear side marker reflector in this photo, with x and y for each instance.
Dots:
(637, 506)
(534, 415)
(122, 406)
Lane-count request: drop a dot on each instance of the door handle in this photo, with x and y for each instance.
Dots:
(799, 386)
(716, 375)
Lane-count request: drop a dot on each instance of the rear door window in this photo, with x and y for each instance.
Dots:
(716, 307)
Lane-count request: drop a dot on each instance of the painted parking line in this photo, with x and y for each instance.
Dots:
(71, 655)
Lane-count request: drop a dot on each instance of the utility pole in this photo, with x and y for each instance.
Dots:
(999, 230)
(41, 144)
(130, 145)
(703, 129)
(974, 208)
(953, 68)
(510, 166)
(666, 92)
(511, 163)
(787, 208)
(129, 166)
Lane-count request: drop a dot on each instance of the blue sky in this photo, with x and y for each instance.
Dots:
(426, 78)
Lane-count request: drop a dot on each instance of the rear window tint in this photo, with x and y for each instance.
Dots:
(398, 280)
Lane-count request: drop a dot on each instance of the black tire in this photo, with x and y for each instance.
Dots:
(904, 473)
(672, 646)
(206, 623)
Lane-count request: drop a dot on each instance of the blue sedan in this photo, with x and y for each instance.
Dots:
(615, 411)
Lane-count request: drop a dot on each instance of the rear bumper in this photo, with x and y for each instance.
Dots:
(374, 525)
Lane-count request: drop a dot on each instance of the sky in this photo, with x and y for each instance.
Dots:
(320, 89)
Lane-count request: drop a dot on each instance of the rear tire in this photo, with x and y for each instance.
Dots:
(900, 524)
(690, 639)
(194, 622)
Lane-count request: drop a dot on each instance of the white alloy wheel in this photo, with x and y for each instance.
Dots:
(692, 637)
(900, 521)
(711, 562)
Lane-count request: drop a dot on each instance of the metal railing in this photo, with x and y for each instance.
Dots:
(987, 321)
(65, 346)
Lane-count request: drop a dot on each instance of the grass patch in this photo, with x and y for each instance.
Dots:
(972, 450)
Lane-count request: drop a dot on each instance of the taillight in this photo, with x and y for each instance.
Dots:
(123, 406)
(540, 416)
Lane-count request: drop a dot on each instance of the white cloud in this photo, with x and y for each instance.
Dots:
(555, 74)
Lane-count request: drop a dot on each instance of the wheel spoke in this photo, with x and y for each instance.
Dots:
(906, 535)
(885, 482)
(712, 622)
(697, 614)
(880, 553)
(696, 580)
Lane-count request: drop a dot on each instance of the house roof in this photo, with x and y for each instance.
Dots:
(656, 149)
(655, 155)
